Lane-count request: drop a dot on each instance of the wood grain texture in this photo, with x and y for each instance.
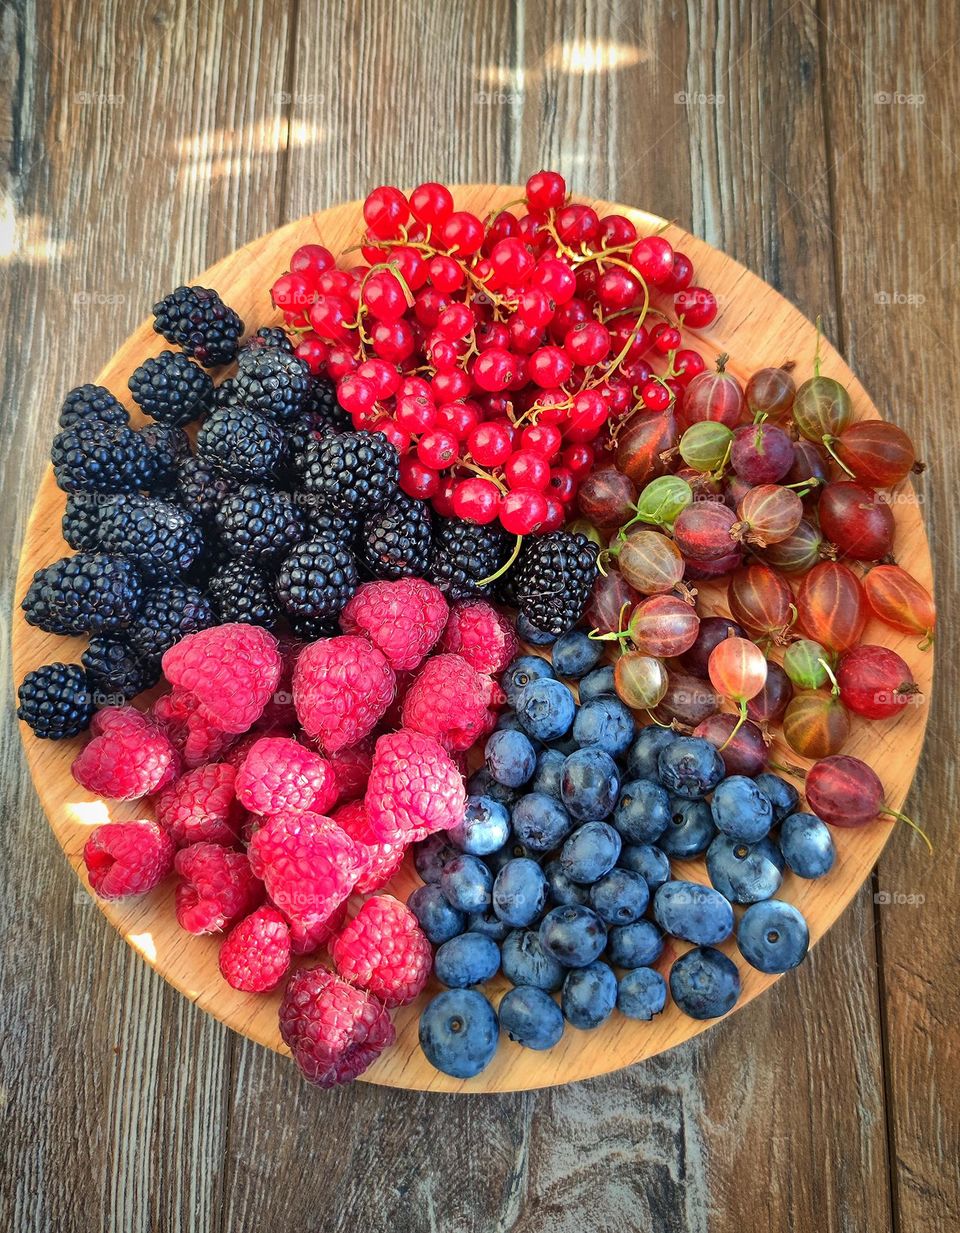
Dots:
(777, 1116)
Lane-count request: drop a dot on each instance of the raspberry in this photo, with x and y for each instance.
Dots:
(352, 769)
(414, 788)
(333, 1030)
(127, 858)
(382, 860)
(403, 619)
(449, 700)
(218, 887)
(481, 634)
(191, 733)
(341, 689)
(309, 865)
(255, 956)
(279, 775)
(232, 669)
(129, 756)
(384, 951)
(201, 806)
(307, 939)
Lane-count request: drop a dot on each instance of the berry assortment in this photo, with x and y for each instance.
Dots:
(346, 560)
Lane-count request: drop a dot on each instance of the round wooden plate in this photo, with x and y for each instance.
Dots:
(756, 327)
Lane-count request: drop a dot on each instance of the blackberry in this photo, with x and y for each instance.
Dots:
(116, 672)
(306, 427)
(167, 447)
(55, 701)
(160, 538)
(201, 488)
(171, 388)
(341, 524)
(90, 593)
(91, 402)
(272, 381)
(81, 520)
(314, 583)
(353, 470)
(225, 395)
(395, 541)
(268, 336)
(259, 523)
(463, 554)
(169, 612)
(553, 577)
(241, 443)
(322, 401)
(198, 321)
(240, 591)
(93, 456)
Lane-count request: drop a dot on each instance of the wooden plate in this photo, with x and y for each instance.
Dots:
(756, 327)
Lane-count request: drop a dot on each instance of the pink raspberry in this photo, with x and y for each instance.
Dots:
(218, 886)
(232, 669)
(403, 619)
(341, 688)
(481, 634)
(381, 860)
(279, 715)
(333, 1030)
(352, 769)
(188, 729)
(280, 775)
(255, 955)
(450, 701)
(309, 865)
(201, 806)
(394, 714)
(414, 788)
(307, 939)
(127, 858)
(129, 756)
(384, 951)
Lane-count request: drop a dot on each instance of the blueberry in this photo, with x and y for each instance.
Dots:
(807, 845)
(693, 912)
(489, 924)
(590, 852)
(520, 892)
(643, 811)
(469, 959)
(773, 936)
(605, 723)
(518, 675)
(482, 783)
(745, 872)
(430, 856)
(525, 961)
(531, 1018)
(459, 1032)
(741, 809)
(573, 935)
(704, 983)
(541, 822)
(575, 653)
(644, 754)
(545, 709)
(641, 993)
(510, 758)
(484, 829)
(635, 946)
(466, 883)
(546, 778)
(508, 720)
(597, 684)
(511, 851)
(690, 767)
(784, 797)
(620, 897)
(650, 862)
(589, 995)
(562, 890)
(530, 633)
(438, 920)
(691, 828)
(589, 783)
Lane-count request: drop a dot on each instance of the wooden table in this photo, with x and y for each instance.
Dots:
(813, 142)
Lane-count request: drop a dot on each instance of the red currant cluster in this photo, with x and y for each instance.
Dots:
(499, 355)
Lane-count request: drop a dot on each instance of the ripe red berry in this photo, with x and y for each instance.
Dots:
(313, 351)
(462, 233)
(431, 203)
(383, 296)
(523, 511)
(554, 277)
(543, 439)
(356, 394)
(587, 416)
(385, 377)
(688, 364)
(330, 317)
(455, 322)
(445, 274)
(617, 290)
(549, 366)
(293, 293)
(512, 262)
(438, 449)
(393, 340)
(587, 343)
(385, 210)
(311, 260)
(652, 258)
(578, 458)
(493, 370)
(535, 307)
(416, 480)
(449, 386)
(656, 396)
(459, 417)
(697, 306)
(616, 231)
(666, 338)
(525, 469)
(492, 334)
(546, 190)
(563, 484)
(476, 500)
(416, 415)
(682, 274)
(577, 225)
(490, 444)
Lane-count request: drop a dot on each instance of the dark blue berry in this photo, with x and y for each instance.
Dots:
(546, 778)
(531, 1018)
(693, 912)
(530, 633)
(807, 845)
(489, 924)
(651, 862)
(459, 1032)
(438, 920)
(704, 983)
(643, 758)
(510, 758)
(545, 709)
(540, 822)
(575, 653)
(636, 945)
(484, 829)
(564, 891)
(591, 851)
(641, 993)
(468, 959)
(589, 995)
(589, 783)
(690, 767)
(643, 811)
(784, 797)
(519, 674)
(773, 936)
(606, 724)
(597, 684)
(431, 854)
(520, 892)
(691, 828)
(573, 935)
(466, 883)
(741, 810)
(482, 783)
(745, 872)
(620, 897)
(525, 961)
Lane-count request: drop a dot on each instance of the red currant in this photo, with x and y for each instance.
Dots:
(546, 190)
(554, 277)
(655, 395)
(688, 364)
(438, 449)
(462, 233)
(431, 203)
(292, 293)
(460, 418)
(522, 337)
(578, 458)
(443, 496)
(681, 275)
(416, 480)
(330, 317)
(393, 340)
(697, 306)
(445, 274)
(543, 439)
(490, 444)
(384, 297)
(428, 304)
(311, 260)
(555, 516)
(587, 343)
(616, 290)
(355, 393)
(455, 322)
(411, 264)
(577, 225)
(340, 361)
(522, 510)
(549, 366)
(313, 351)
(525, 469)
(587, 416)
(476, 500)
(666, 338)
(492, 334)
(384, 376)
(512, 262)
(415, 413)
(396, 435)
(449, 386)
(336, 282)
(616, 231)
(563, 484)
(443, 354)
(504, 226)
(652, 258)
(385, 211)
(493, 370)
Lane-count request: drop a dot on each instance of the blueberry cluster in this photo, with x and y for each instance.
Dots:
(560, 874)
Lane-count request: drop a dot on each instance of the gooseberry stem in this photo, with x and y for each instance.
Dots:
(902, 817)
(737, 726)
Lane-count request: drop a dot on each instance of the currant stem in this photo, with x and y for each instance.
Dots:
(484, 582)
